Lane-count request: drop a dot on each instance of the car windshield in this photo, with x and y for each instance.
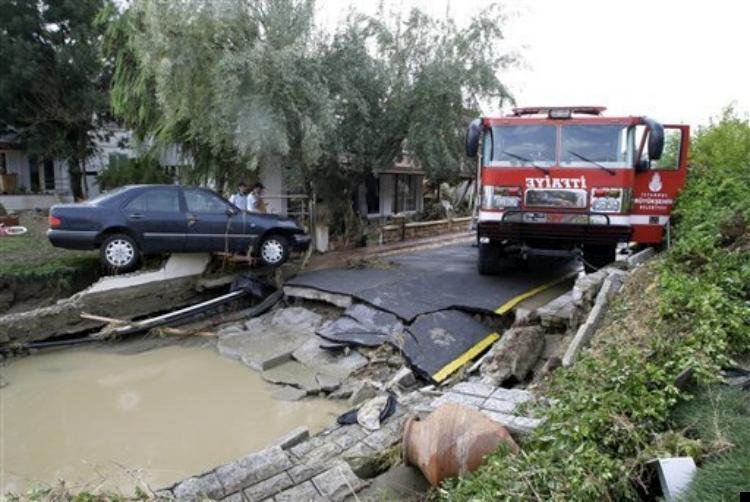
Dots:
(516, 145)
(603, 144)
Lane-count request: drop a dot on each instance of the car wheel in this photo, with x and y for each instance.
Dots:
(119, 253)
(273, 251)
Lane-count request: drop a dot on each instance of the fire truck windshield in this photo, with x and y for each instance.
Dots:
(514, 145)
(604, 145)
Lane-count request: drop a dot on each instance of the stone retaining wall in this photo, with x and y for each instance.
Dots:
(422, 229)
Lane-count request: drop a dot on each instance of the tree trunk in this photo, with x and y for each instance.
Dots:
(76, 178)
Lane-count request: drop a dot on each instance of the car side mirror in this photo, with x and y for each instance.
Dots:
(655, 138)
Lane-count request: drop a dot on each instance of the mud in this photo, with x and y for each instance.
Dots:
(112, 417)
(30, 292)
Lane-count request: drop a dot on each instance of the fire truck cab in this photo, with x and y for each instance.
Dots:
(568, 180)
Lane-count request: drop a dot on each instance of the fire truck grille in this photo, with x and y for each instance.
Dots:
(586, 234)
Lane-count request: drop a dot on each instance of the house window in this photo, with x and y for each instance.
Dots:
(49, 175)
(407, 192)
(372, 194)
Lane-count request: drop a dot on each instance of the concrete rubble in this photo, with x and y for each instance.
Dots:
(123, 297)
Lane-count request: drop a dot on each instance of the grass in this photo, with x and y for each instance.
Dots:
(719, 416)
(32, 255)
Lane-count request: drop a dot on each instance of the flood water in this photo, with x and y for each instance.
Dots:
(102, 419)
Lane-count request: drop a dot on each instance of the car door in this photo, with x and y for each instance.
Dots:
(656, 188)
(155, 215)
(213, 224)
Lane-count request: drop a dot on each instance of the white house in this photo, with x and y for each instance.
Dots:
(395, 190)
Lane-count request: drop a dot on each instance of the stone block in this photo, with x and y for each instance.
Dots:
(303, 448)
(388, 434)
(338, 482)
(253, 468)
(235, 497)
(517, 396)
(269, 487)
(347, 435)
(305, 471)
(403, 378)
(293, 438)
(474, 389)
(198, 488)
(324, 361)
(518, 426)
(363, 460)
(462, 399)
(301, 493)
(499, 405)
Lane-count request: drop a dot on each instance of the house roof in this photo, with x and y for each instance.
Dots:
(11, 141)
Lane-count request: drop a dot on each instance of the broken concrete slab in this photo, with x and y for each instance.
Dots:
(298, 375)
(439, 343)
(347, 331)
(335, 299)
(338, 365)
(403, 378)
(558, 314)
(288, 393)
(514, 356)
(270, 339)
(177, 266)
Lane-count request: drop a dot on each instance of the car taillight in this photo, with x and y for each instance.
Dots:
(609, 200)
(54, 221)
(494, 197)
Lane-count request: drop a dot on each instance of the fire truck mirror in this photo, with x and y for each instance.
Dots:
(655, 138)
(472, 137)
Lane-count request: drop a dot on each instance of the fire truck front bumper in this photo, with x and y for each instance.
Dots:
(562, 229)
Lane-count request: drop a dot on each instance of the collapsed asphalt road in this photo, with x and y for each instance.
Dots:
(429, 296)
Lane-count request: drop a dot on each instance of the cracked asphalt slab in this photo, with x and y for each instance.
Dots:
(435, 280)
(422, 304)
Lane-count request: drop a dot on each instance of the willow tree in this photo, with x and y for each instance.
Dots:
(234, 83)
(245, 83)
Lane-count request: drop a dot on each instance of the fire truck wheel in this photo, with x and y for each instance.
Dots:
(492, 259)
(597, 256)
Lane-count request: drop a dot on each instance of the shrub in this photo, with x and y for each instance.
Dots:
(142, 170)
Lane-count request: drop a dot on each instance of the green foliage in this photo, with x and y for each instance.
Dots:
(53, 83)
(615, 403)
(248, 83)
(720, 418)
(143, 170)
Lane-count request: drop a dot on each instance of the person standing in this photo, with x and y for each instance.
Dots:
(255, 202)
(240, 198)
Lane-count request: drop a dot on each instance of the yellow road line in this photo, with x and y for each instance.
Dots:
(507, 306)
(464, 358)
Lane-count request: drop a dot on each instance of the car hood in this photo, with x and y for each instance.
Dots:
(274, 219)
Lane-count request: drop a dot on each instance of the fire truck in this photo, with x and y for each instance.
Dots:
(570, 181)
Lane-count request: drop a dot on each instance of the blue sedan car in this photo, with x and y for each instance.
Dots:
(138, 220)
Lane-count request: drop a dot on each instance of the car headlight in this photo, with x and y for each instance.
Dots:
(494, 197)
(607, 200)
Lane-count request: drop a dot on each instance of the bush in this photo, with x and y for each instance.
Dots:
(143, 170)
(615, 403)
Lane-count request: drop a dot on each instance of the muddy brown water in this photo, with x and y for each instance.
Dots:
(101, 418)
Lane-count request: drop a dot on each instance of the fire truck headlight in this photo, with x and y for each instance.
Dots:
(606, 200)
(494, 197)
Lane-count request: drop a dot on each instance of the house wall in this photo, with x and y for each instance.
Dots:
(17, 162)
(272, 178)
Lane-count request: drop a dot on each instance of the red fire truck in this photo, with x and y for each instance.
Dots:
(569, 180)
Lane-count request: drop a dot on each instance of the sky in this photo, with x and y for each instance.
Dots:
(675, 61)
